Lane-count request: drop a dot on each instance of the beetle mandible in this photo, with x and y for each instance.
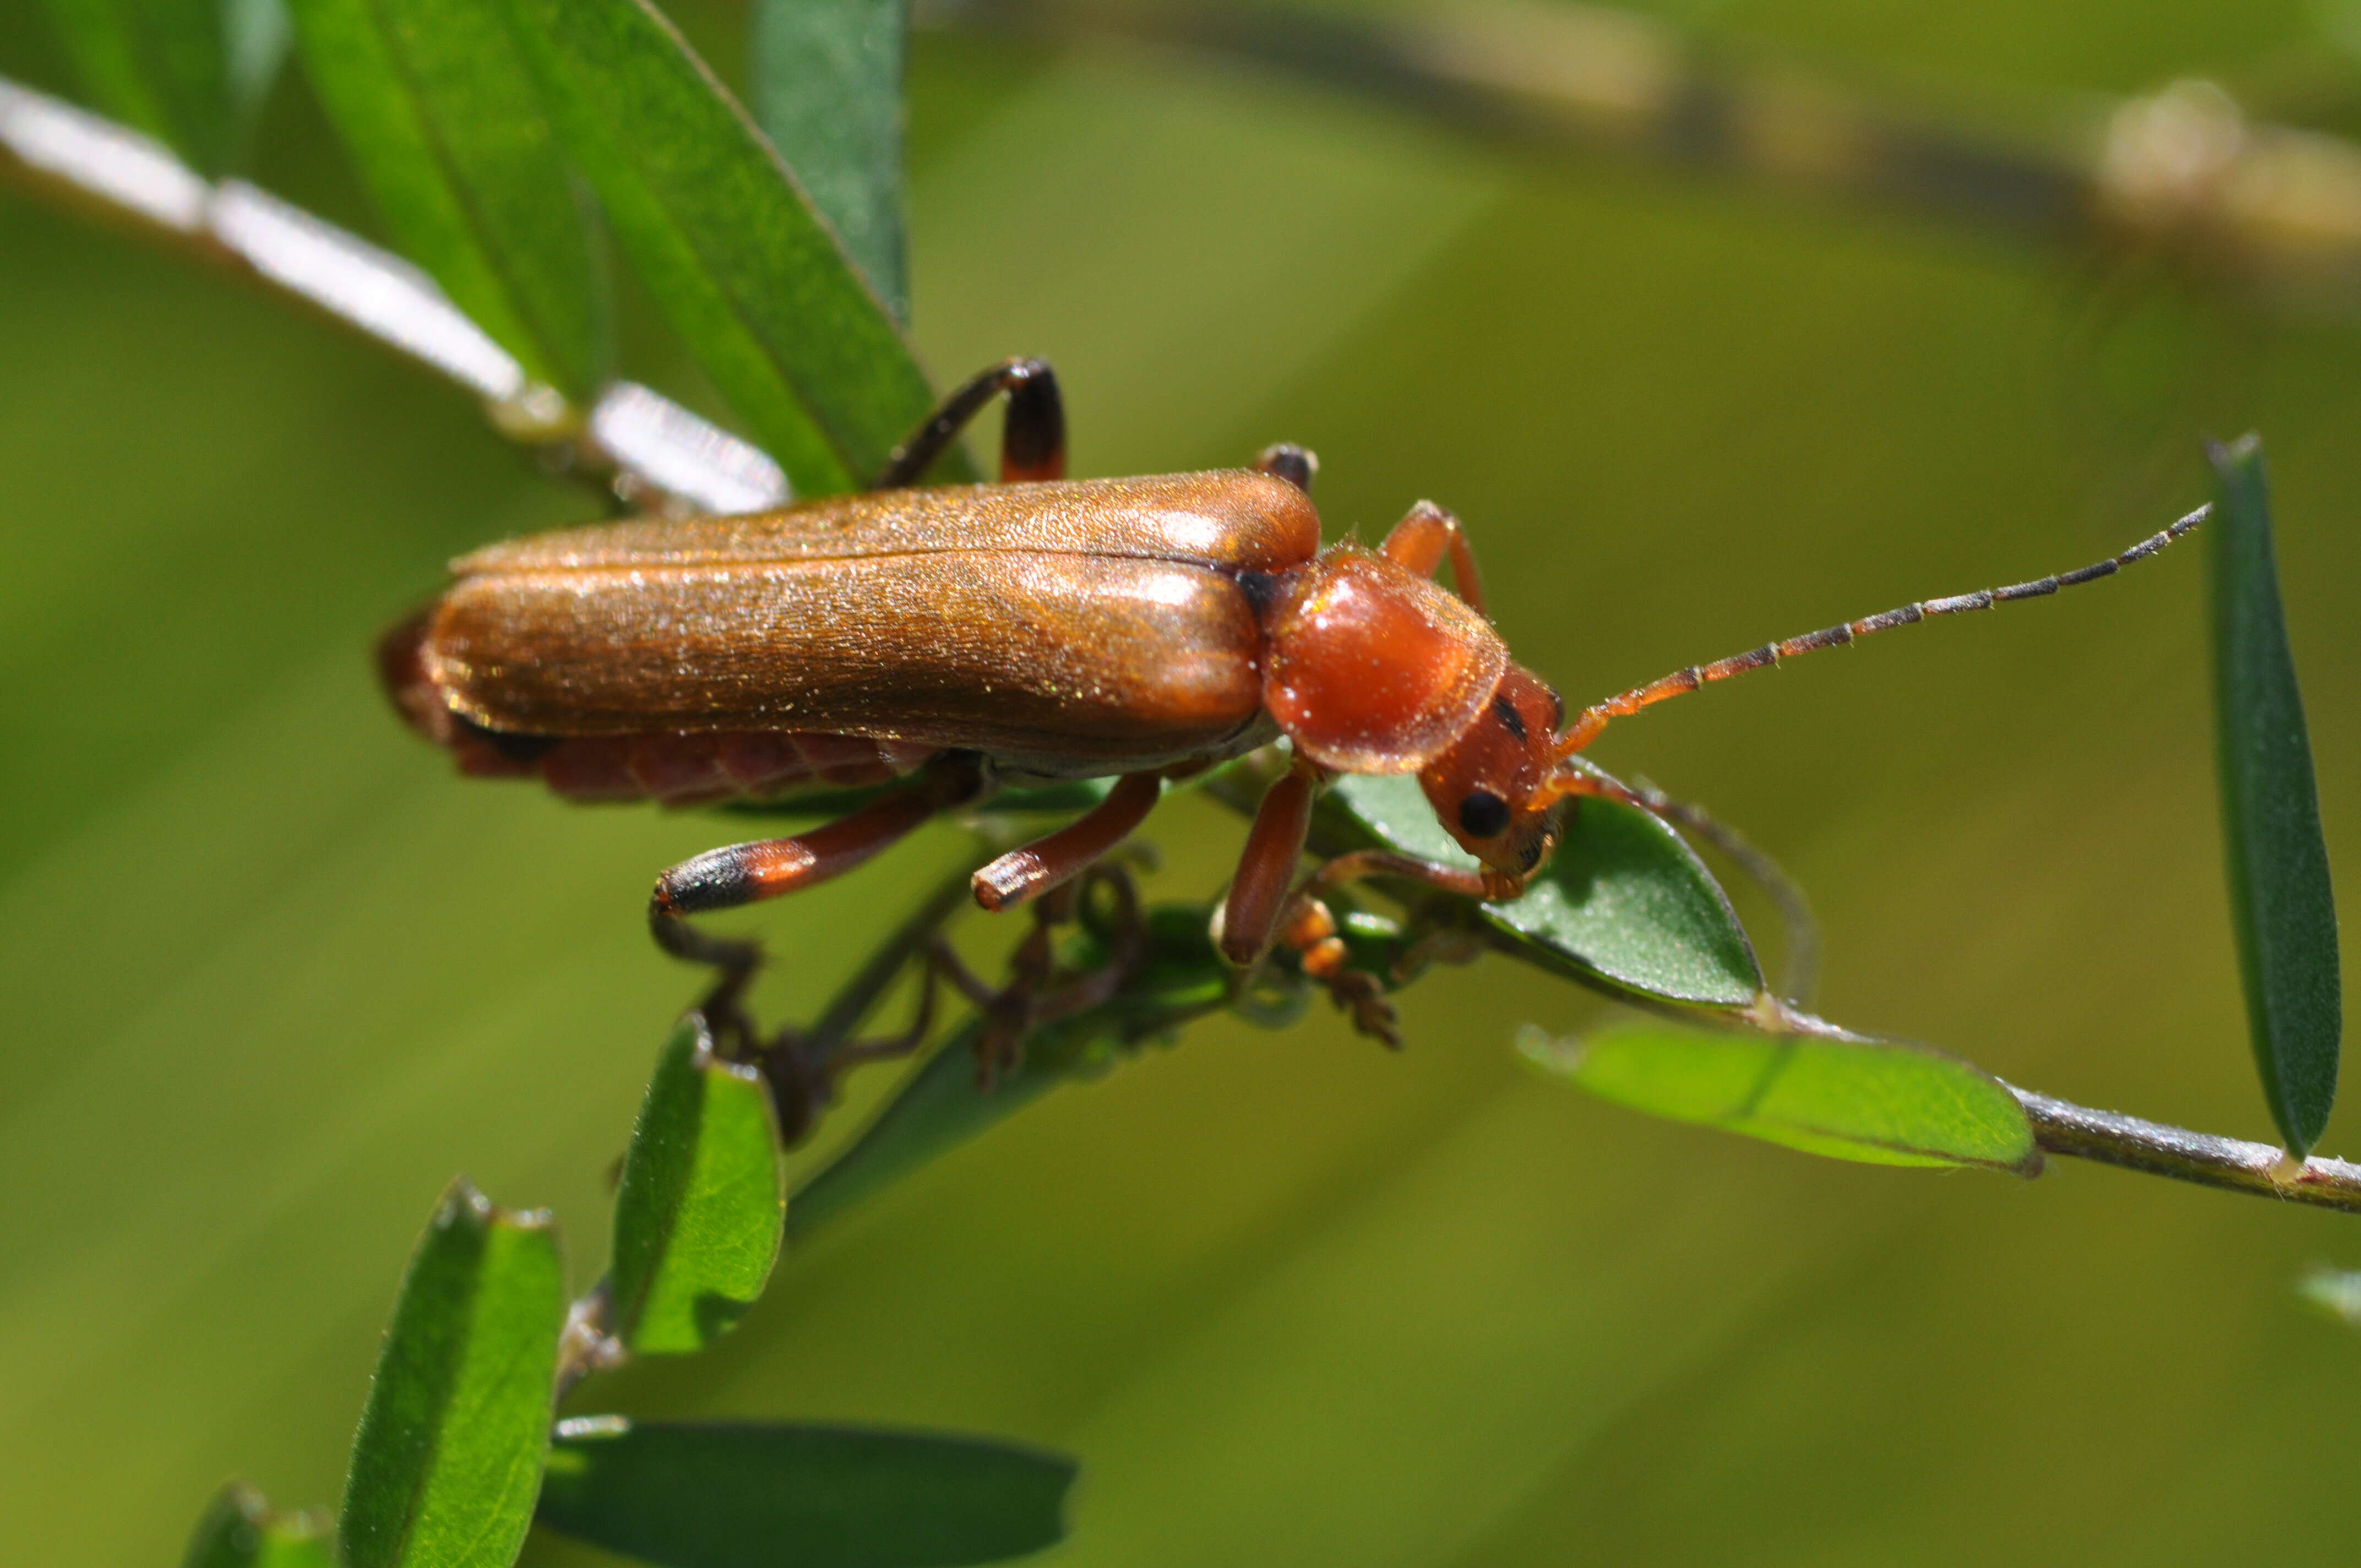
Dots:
(956, 638)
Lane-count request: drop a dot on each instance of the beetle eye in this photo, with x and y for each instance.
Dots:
(1483, 815)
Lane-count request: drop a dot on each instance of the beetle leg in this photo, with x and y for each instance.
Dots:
(748, 873)
(1310, 935)
(1420, 541)
(1009, 1013)
(1032, 438)
(1258, 893)
(1310, 929)
(1022, 875)
(1285, 460)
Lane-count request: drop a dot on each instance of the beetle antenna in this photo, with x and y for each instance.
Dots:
(1594, 719)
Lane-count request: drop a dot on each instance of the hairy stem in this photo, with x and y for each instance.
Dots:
(2231, 1163)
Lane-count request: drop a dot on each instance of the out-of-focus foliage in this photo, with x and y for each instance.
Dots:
(754, 281)
(743, 1495)
(2281, 906)
(192, 74)
(242, 1530)
(1351, 1307)
(441, 118)
(826, 89)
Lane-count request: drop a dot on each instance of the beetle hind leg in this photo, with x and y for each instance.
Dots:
(1032, 438)
(740, 875)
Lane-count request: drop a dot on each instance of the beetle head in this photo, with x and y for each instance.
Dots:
(1489, 785)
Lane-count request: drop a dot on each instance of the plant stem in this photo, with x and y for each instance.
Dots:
(651, 449)
(2231, 1163)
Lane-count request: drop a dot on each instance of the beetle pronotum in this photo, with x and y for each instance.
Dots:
(955, 638)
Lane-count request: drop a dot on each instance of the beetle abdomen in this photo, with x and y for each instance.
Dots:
(694, 770)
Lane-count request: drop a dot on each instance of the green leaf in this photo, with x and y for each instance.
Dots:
(730, 1495)
(752, 279)
(444, 124)
(698, 1213)
(942, 1104)
(2280, 901)
(192, 74)
(1623, 900)
(827, 92)
(242, 1530)
(1880, 1101)
(448, 1458)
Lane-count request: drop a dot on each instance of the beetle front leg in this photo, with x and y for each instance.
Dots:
(1032, 436)
(1420, 541)
(1258, 895)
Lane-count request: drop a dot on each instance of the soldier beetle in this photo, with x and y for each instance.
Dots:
(954, 639)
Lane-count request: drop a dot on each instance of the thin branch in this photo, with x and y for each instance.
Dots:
(2182, 175)
(2234, 1166)
(648, 446)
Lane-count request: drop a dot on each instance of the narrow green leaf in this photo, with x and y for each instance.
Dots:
(1623, 900)
(448, 1457)
(752, 278)
(942, 1105)
(698, 1213)
(730, 1495)
(827, 92)
(1880, 1101)
(242, 1530)
(192, 74)
(2280, 901)
(444, 124)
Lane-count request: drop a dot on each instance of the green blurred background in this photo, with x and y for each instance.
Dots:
(276, 974)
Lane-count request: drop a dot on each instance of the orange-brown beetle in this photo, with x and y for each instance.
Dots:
(1041, 628)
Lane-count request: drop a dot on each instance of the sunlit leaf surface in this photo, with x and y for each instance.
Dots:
(2281, 900)
(445, 124)
(1623, 900)
(1881, 1101)
(448, 1458)
(698, 1214)
(740, 1495)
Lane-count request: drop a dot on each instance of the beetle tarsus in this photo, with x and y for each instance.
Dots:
(1311, 933)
